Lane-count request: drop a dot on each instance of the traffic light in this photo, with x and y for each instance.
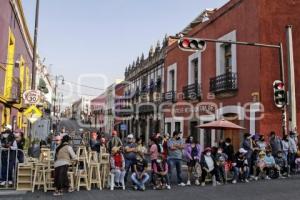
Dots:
(279, 94)
(191, 44)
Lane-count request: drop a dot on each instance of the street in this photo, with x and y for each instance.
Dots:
(278, 189)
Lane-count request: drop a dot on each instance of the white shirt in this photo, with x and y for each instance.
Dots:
(210, 163)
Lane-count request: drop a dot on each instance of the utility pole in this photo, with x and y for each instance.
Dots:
(35, 44)
(291, 80)
(33, 70)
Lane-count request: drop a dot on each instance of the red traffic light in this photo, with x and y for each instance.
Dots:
(280, 86)
(279, 94)
(191, 44)
(185, 43)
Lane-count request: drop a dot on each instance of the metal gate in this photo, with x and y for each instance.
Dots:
(9, 159)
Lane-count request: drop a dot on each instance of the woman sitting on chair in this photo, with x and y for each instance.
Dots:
(117, 164)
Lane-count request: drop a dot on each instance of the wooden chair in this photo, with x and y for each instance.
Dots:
(24, 177)
(94, 174)
(39, 177)
(82, 173)
(104, 168)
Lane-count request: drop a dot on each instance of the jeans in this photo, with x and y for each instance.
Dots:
(242, 172)
(119, 175)
(7, 173)
(128, 165)
(173, 162)
(291, 160)
(164, 179)
(140, 183)
(221, 174)
(214, 172)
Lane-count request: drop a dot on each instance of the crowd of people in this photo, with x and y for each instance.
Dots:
(133, 163)
(255, 159)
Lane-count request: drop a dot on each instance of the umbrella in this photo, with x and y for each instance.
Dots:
(221, 124)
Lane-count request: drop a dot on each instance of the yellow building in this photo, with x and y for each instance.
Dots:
(16, 50)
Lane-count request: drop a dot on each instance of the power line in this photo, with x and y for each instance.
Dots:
(91, 87)
(76, 93)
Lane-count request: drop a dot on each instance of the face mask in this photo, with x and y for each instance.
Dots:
(158, 161)
(208, 153)
(227, 144)
(219, 151)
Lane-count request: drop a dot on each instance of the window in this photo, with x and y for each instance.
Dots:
(177, 126)
(172, 80)
(228, 58)
(195, 67)
(226, 55)
(168, 127)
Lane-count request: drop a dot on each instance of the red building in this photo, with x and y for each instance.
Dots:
(97, 112)
(231, 81)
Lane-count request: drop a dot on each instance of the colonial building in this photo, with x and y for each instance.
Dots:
(231, 81)
(15, 63)
(143, 93)
(97, 112)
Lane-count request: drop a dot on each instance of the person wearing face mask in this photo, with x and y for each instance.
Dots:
(209, 166)
(221, 159)
(8, 156)
(228, 149)
(270, 162)
(293, 140)
(275, 143)
(192, 152)
(240, 166)
(248, 145)
(175, 148)
(160, 173)
(282, 164)
(261, 143)
(285, 146)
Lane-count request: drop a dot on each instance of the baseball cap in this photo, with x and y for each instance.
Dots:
(130, 136)
(114, 133)
(242, 150)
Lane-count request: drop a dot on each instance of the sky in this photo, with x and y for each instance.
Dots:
(91, 42)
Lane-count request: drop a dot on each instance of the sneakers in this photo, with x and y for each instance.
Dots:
(188, 183)
(57, 194)
(3, 183)
(135, 187)
(234, 182)
(255, 178)
(181, 184)
(143, 188)
(168, 187)
(203, 184)
(10, 183)
(218, 183)
(268, 178)
(197, 182)
(246, 180)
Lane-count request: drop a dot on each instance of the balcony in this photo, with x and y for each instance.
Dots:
(15, 97)
(169, 96)
(225, 83)
(192, 92)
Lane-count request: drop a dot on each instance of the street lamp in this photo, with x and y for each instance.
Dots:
(57, 78)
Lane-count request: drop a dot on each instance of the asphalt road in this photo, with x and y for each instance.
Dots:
(281, 189)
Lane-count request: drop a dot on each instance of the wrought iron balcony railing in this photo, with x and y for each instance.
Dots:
(192, 92)
(224, 83)
(15, 96)
(169, 96)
